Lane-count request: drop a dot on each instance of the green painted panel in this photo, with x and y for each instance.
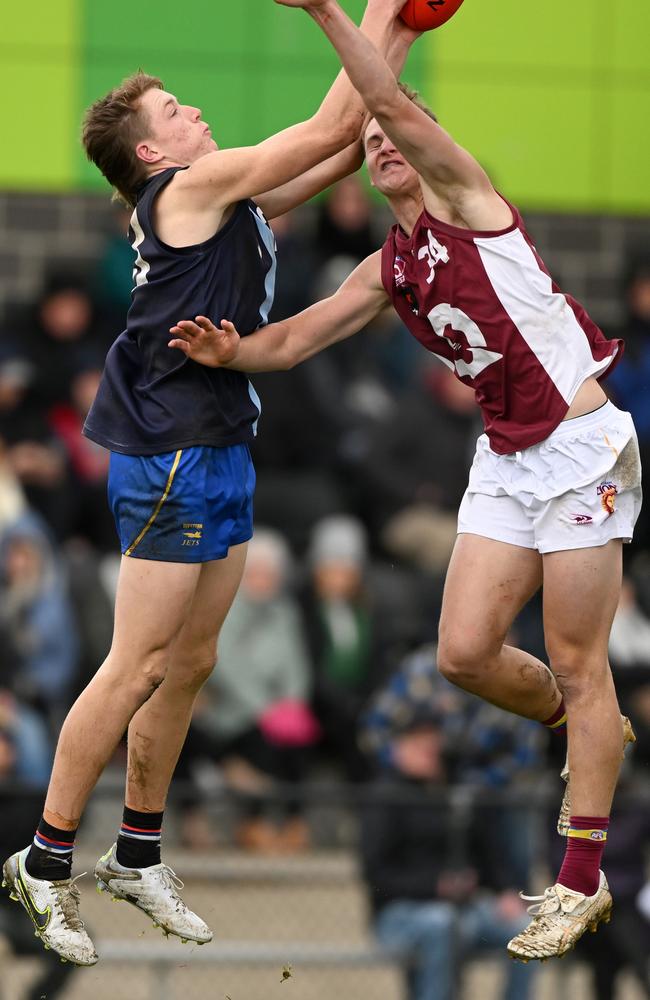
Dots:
(553, 159)
(169, 31)
(556, 108)
(627, 145)
(626, 37)
(40, 26)
(549, 107)
(39, 68)
(514, 35)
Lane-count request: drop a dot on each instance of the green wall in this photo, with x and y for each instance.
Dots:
(556, 110)
(39, 82)
(554, 99)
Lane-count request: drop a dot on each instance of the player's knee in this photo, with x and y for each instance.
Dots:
(198, 671)
(459, 662)
(152, 672)
(578, 674)
(195, 664)
(575, 684)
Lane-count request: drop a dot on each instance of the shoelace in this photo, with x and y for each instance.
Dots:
(68, 899)
(539, 902)
(172, 882)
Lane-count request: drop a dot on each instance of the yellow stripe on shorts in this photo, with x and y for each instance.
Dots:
(156, 512)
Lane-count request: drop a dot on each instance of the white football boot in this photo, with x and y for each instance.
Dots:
(560, 918)
(153, 890)
(563, 820)
(53, 908)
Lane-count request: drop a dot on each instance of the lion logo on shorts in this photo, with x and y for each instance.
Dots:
(607, 492)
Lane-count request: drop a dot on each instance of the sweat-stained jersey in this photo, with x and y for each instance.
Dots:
(484, 303)
(152, 398)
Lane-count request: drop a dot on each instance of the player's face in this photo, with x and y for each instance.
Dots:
(389, 172)
(176, 130)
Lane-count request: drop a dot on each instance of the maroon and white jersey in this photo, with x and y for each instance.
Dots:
(484, 303)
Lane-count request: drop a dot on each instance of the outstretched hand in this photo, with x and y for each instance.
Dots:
(206, 343)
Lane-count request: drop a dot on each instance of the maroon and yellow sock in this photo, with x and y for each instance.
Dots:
(557, 722)
(584, 851)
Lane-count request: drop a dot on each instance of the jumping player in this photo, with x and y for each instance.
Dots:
(555, 484)
(181, 479)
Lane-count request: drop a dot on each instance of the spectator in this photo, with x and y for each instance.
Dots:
(440, 882)
(416, 480)
(89, 514)
(12, 499)
(629, 640)
(344, 225)
(296, 264)
(342, 636)
(629, 380)
(36, 614)
(255, 705)
(57, 336)
(490, 748)
(629, 651)
(113, 280)
(29, 447)
(27, 739)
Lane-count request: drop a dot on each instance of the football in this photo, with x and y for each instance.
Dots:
(423, 15)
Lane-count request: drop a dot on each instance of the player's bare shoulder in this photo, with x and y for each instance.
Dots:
(479, 208)
(184, 215)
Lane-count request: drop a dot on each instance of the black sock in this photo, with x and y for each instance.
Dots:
(50, 856)
(138, 843)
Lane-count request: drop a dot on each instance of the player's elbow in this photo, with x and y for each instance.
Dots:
(386, 105)
(292, 357)
(295, 350)
(341, 131)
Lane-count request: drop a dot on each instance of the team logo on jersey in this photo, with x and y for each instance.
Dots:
(194, 535)
(581, 518)
(399, 270)
(434, 253)
(607, 492)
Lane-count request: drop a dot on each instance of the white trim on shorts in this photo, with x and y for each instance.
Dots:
(579, 488)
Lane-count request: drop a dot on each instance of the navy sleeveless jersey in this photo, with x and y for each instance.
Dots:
(152, 398)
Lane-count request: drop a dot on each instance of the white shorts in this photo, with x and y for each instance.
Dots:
(579, 488)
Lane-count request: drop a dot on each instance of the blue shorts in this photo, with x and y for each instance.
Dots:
(184, 506)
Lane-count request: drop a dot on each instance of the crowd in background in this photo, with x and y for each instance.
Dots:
(327, 660)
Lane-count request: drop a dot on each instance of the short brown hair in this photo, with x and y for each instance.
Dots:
(112, 127)
(414, 96)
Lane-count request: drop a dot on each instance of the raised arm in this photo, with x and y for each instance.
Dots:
(312, 182)
(442, 164)
(319, 178)
(219, 179)
(281, 346)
